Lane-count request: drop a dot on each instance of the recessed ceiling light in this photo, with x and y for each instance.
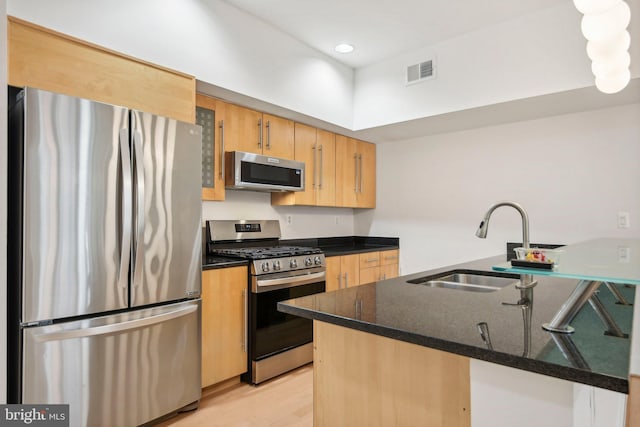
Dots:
(344, 48)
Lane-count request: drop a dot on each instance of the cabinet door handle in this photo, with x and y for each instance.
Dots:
(222, 149)
(321, 154)
(361, 174)
(346, 280)
(355, 158)
(315, 163)
(260, 134)
(339, 281)
(268, 135)
(371, 260)
(244, 320)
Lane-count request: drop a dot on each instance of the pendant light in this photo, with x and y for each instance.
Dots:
(604, 26)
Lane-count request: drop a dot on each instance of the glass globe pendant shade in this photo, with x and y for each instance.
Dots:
(594, 7)
(614, 83)
(601, 51)
(613, 67)
(606, 25)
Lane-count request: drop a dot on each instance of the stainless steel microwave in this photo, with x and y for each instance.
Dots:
(250, 171)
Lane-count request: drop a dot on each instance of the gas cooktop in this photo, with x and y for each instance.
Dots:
(266, 252)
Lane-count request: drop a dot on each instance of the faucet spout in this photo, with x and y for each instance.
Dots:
(484, 225)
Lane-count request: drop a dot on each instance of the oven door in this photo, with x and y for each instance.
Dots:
(274, 332)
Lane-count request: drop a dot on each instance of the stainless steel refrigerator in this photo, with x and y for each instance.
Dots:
(104, 264)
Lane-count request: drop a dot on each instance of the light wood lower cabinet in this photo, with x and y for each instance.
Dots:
(358, 269)
(224, 324)
(362, 379)
(342, 272)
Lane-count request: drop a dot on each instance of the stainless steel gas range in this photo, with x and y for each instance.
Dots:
(277, 342)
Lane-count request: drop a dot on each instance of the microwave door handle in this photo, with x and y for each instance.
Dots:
(139, 226)
(222, 162)
(125, 213)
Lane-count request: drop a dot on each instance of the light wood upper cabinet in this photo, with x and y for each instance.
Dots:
(49, 60)
(215, 131)
(325, 167)
(224, 324)
(242, 129)
(355, 173)
(316, 148)
(254, 132)
(277, 137)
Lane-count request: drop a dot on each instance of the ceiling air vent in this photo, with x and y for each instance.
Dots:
(421, 72)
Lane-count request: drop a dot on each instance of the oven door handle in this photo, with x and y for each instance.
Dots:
(292, 281)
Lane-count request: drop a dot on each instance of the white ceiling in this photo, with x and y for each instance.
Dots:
(381, 29)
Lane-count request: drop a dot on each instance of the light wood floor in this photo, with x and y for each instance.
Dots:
(285, 401)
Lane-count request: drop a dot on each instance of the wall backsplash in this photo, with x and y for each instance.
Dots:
(305, 221)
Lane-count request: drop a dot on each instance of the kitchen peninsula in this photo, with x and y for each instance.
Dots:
(399, 353)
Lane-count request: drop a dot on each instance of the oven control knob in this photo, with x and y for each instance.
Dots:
(293, 263)
(265, 267)
(308, 262)
(276, 265)
(317, 260)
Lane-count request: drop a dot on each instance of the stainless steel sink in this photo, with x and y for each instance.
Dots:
(468, 280)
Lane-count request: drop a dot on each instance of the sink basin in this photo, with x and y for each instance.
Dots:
(468, 280)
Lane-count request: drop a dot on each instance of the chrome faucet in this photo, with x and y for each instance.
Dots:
(526, 280)
(484, 225)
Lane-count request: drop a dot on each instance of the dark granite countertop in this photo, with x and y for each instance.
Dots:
(336, 246)
(212, 262)
(447, 319)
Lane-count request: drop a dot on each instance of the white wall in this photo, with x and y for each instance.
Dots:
(211, 40)
(3, 205)
(295, 221)
(572, 173)
(533, 55)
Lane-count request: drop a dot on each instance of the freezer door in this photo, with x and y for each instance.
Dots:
(76, 249)
(120, 370)
(166, 256)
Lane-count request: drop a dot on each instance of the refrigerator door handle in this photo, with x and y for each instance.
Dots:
(138, 252)
(83, 332)
(125, 214)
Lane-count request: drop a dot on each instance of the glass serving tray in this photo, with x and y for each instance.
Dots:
(606, 260)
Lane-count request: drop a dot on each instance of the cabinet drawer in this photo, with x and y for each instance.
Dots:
(389, 257)
(369, 259)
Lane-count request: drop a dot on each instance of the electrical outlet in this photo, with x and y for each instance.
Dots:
(624, 254)
(289, 219)
(337, 220)
(624, 220)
